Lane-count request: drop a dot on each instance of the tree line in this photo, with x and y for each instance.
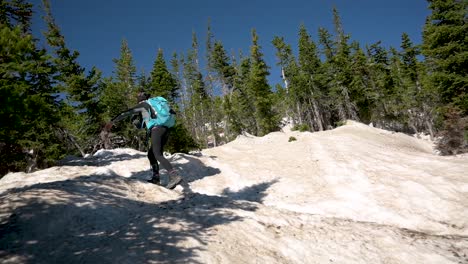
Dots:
(51, 106)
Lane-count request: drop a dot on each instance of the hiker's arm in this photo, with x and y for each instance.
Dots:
(141, 108)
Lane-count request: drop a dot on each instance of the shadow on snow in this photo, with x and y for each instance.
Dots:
(191, 169)
(99, 160)
(93, 221)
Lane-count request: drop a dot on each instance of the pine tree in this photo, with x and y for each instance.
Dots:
(176, 73)
(238, 102)
(120, 91)
(310, 75)
(162, 81)
(266, 121)
(212, 84)
(16, 13)
(328, 52)
(144, 82)
(290, 75)
(361, 85)
(399, 100)
(328, 46)
(119, 94)
(419, 103)
(125, 72)
(196, 111)
(224, 73)
(382, 84)
(83, 91)
(27, 96)
(445, 46)
(340, 86)
(409, 60)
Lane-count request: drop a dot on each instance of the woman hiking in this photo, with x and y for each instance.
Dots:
(157, 117)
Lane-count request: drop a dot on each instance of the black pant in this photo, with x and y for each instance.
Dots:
(159, 136)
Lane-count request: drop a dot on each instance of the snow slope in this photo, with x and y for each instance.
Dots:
(355, 194)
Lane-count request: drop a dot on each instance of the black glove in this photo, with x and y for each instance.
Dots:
(137, 121)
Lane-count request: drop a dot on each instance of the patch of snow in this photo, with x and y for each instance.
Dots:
(355, 194)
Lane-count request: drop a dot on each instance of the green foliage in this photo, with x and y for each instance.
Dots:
(125, 71)
(114, 98)
(362, 93)
(28, 103)
(288, 100)
(180, 140)
(55, 107)
(242, 100)
(446, 49)
(454, 138)
(340, 123)
(162, 81)
(259, 89)
(16, 13)
(225, 72)
(83, 91)
(119, 94)
(197, 99)
(340, 86)
(222, 66)
(291, 139)
(309, 86)
(301, 128)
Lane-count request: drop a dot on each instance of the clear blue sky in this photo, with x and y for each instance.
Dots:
(95, 28)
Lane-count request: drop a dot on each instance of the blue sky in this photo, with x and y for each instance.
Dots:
(95, 28)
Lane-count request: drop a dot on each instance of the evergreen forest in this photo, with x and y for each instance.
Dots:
(51, 106)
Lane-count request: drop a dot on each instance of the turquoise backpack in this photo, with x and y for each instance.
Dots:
(164, 115)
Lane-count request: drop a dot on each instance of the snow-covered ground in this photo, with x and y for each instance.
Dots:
(355, 194)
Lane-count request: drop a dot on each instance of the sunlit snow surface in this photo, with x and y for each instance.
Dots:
(355, 194)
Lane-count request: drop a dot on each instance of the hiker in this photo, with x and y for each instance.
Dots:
(144, 115)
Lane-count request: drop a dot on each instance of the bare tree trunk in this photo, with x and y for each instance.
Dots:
(413, 121)
(227, 128)
(31, 157)
(104, 135)
(299, 112)
(214, 130)
(72, 139)
(341, 112)
(78, 147)
(413, 126)
(430, 129)
(226, 93)
(214, 125)
(203, 121)
(310, 119)
(289, 110)
(351, 112)
(317, 112)
(428, 121)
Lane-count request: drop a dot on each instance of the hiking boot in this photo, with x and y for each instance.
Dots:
(174, 179)
(155, 180)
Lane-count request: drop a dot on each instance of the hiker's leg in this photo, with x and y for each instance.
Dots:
(158, 138)
(154, 168)
(164, 139)
(153, 161)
